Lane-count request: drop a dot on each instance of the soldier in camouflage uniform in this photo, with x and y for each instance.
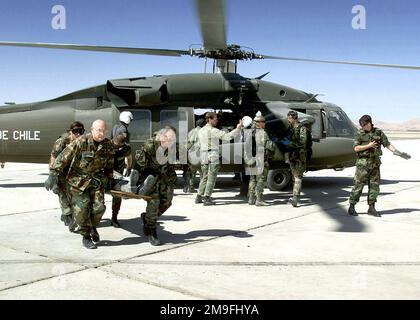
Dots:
(209, 138)
(257, 165)
(297, 154)
(192, 147)
(367, 145)
(156, 158)
(122, 159)
(91, 161)
(62, 188)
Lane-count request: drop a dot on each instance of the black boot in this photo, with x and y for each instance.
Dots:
(352, 211)
(67, 220)
(208, 202)
(114, 220)
(153, 239)
(198, 199)
(72, 225)
(143, 220)
(94, 235)
(88, 243)
(372, 211)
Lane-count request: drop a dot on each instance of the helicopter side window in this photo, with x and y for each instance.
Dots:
(177, 119)
(141, 126)
(339, 125)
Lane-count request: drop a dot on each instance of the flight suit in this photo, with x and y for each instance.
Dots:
(297, 155)
(209, 138)
(258, 166)
(91, 170)
(189, 169)
(163, 190)
(368, 165)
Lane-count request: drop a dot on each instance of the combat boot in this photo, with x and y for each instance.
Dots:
(198, 199)
(185, 189)
(352, 210)
(153, 239)
(208, 201)
(143, 220)
(294, 201)
(67, 220)
(72, 225)
(252, 199)
(94, 235)
(148, 184)
(88, 243)
(260, 202)
(191, 190)
(114, 220)
(372, 211)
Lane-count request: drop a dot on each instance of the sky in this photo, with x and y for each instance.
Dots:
(317, 29)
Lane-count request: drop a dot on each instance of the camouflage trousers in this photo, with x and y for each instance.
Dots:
(367, 172)
(257, 182)
(298, 168)
(189, 175)
(162, 195)
(88, 208)
(64, 197)
(116, 205)
(208, 179)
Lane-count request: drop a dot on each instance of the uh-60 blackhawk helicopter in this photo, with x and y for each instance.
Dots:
(28, 131)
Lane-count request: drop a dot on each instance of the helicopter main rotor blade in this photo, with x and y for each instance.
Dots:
(212, 22)
(396, 66)
(148, 51)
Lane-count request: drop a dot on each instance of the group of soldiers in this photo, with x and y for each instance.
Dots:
(206, 139)
(84, 166)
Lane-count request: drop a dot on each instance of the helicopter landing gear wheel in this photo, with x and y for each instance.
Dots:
(279, 179)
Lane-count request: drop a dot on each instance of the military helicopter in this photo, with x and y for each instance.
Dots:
(27, 131)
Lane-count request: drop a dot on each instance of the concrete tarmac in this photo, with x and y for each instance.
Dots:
(228, 251)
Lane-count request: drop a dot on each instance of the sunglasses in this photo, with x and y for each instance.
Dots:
(78, 131)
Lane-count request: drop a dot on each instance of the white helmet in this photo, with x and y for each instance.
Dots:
(126, 117)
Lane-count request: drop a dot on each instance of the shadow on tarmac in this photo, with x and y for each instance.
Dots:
(135, 225)
(330, 193)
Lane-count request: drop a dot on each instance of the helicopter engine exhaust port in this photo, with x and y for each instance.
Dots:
(138, 93)
(278, 179)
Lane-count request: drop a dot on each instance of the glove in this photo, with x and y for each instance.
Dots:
(51, 181)
(127, 172)
(285, 141)
(403, 155)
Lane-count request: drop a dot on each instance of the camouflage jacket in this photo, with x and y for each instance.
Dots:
(59, 145)
(147, 163)
(193, 138)
(90, 163)
(120, 153)
(364, 138)
(297, 145)
(262, 142)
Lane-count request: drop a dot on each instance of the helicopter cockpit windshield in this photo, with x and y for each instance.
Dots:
(339, 125)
